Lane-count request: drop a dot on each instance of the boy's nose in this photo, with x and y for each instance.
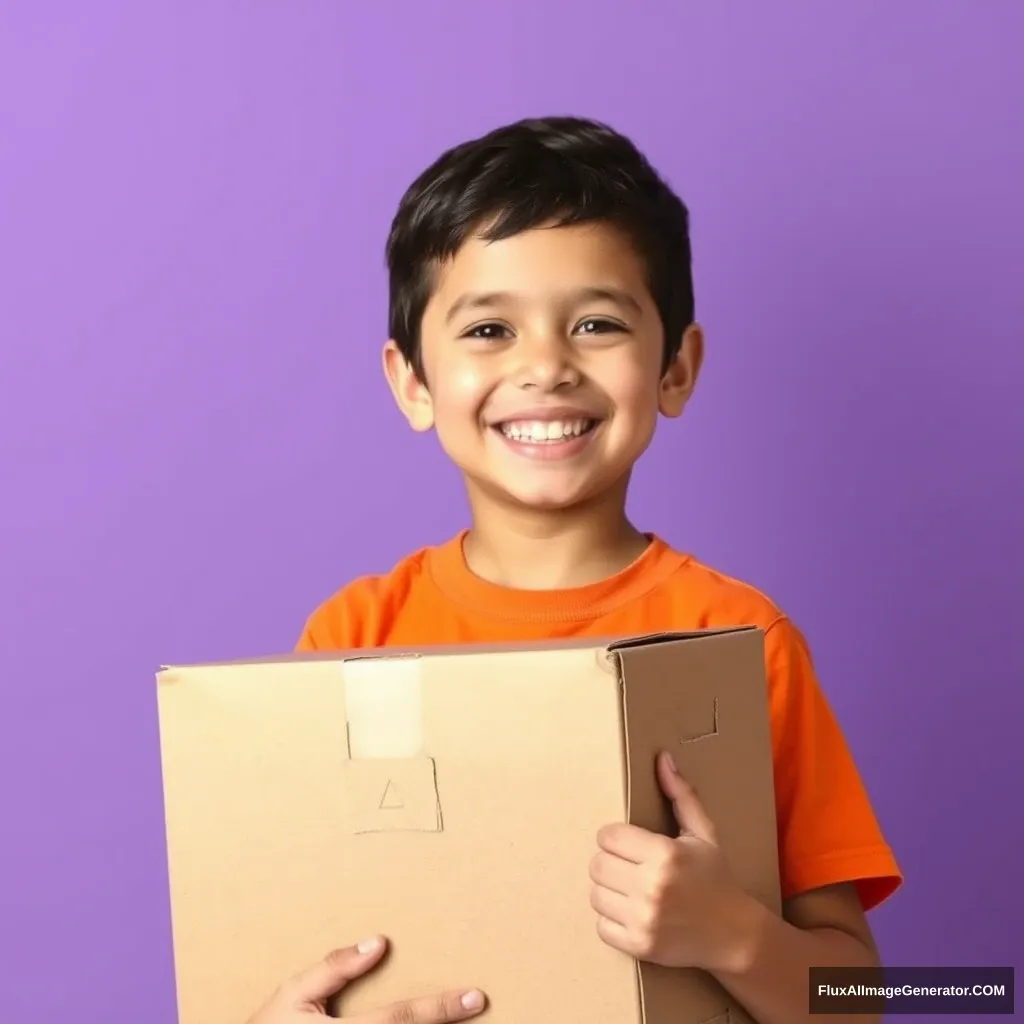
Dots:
(547, 367)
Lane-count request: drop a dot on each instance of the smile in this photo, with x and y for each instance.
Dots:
(547, 440)
(546, 431)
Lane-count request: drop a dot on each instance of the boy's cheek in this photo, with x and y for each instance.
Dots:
(460, 392)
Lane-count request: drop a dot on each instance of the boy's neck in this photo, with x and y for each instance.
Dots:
(530, 550)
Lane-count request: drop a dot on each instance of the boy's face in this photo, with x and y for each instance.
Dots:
(542, 362)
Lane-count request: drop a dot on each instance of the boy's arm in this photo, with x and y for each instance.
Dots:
(674, 901)
(822, 928)
(834, 860)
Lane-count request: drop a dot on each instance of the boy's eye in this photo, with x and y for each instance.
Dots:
(487, 332)
(593, 325)
(598, 325)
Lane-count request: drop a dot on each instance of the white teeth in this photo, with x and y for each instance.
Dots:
(544, 432)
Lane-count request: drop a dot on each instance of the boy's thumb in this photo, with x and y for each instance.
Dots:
(689, 812)
(336, 970)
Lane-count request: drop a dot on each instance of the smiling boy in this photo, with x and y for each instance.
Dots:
(541, 321)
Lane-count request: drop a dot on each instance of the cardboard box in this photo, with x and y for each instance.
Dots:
(449, 798)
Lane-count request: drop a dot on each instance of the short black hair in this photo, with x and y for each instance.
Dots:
(561, 170)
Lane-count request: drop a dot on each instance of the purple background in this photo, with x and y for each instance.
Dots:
(196, 445)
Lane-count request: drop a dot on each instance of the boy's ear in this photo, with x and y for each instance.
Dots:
(411, 394)
(680, 378)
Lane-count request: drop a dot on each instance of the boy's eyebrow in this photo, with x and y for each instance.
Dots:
(483, 300)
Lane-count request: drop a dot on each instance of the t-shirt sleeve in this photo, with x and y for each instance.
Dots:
(321, 630)
(827, 829)
(344, 621)
(307, 640)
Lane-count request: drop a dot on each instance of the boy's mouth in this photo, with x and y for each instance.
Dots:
(545, 432)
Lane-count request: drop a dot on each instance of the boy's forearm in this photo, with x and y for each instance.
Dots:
(771, 978)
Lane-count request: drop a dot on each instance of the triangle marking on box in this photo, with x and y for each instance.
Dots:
(391, 799)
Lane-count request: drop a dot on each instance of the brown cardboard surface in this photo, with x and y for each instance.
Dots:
(449, 798)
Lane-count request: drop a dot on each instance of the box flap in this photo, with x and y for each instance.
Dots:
(704, 699)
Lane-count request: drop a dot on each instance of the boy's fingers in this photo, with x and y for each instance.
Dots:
(338, 968)
(335, 971)
(440, 1009)
(690, 814)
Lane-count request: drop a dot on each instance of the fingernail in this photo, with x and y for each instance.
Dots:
(671, 762)
(473, 1000)
(368, 946)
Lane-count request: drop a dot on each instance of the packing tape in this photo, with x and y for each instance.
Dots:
(383, 708)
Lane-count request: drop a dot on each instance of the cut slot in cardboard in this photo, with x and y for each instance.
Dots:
(450, 799)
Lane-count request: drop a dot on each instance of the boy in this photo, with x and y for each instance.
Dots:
(541, 318)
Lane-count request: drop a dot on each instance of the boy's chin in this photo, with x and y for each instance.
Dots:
(541, 497)
(551, 501)
(548, 504)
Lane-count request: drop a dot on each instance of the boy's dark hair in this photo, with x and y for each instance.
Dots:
(563, 170)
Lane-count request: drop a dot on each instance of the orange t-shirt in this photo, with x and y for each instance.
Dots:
(827, 829)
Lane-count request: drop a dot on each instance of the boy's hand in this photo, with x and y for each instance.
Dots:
(670, 901)
(304, 998)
